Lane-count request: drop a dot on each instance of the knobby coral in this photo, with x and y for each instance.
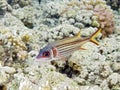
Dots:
(4, 6)
(102, 16)
(105, 18)
(13, 47)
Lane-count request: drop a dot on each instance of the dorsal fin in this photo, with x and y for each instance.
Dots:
(78, 35)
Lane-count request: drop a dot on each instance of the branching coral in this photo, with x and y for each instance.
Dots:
(105, 18)
(102, 15)
(13, 47)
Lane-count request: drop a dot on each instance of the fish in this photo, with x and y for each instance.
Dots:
(62, 49)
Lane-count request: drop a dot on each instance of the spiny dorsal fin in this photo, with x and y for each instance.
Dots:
(78, 35)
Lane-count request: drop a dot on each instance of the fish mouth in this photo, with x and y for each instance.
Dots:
(38, 57)
(41, 58)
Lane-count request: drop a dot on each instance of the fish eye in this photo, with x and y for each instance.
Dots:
(46, 54)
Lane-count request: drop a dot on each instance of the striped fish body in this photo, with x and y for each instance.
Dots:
(62, 49)
(66, 47)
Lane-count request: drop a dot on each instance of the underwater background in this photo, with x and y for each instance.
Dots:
(26, 26)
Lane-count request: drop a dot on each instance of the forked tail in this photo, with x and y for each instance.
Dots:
(94, 35)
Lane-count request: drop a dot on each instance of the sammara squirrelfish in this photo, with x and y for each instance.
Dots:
(62, 49)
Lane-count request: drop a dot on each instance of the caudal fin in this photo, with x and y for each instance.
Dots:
(94, 35)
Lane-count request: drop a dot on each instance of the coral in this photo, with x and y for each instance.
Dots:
(26, 85)
(52, 9)
(113, 79)
(115, 4)
(104, 85)
(2, 54)
(5, 72)
(3, 77)
(50, 16)
(59, 32)
(117, 22)
(101, 15)
(41, 77)
(58, 81)
(90, 88)
(25, 30)
(93, 65)
(104, 15)
(9, 70)
(19, 3)
(89, 32)
(4, 6)
(26, 37)
(105, 18)
(108, 47)
(74, 11)
(116, 66)
(23, 3)
(14, 47)
(25, 15)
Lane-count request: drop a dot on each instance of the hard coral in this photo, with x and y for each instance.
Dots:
(13, 47)
(102, 13)
(115, 4)
(21, 3)
(105, 18)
